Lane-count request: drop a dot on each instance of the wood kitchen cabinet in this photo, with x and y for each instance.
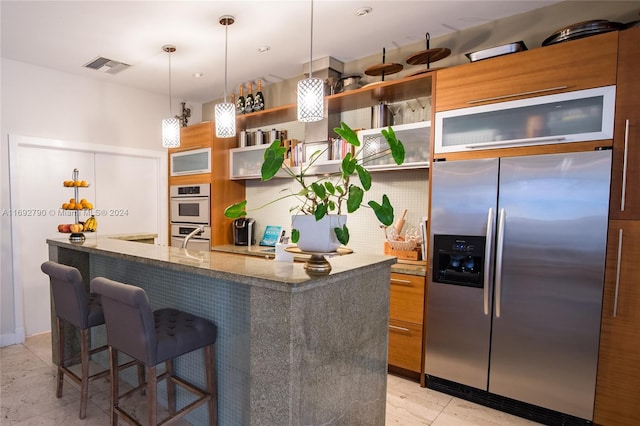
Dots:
(573, 65)
(406, 309)
(625, 174)
(617, 391)
(224, 191)
(193, 137)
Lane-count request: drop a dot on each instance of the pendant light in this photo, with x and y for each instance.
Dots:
(310, 91)
(225, 112)
(171, 125)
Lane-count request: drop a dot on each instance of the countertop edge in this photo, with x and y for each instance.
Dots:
(254, 271)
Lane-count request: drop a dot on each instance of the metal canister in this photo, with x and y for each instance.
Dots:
(259, 137)
(243, 138)
(273, 135)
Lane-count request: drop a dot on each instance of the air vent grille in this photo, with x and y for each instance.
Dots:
(108, 66)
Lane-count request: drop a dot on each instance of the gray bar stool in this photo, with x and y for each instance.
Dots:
(73, 305)
(152, 338)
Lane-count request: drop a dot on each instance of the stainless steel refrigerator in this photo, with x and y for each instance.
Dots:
(516, 276)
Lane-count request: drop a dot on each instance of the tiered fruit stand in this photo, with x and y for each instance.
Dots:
(76, 204)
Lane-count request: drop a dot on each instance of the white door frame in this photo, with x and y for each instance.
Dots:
(18, 141)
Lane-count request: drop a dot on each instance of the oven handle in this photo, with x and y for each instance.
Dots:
(499, 250)
(189, 198)
(487, 259)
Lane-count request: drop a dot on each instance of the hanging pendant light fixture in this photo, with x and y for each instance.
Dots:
(171, 125)
(225, 112)
(310, 91)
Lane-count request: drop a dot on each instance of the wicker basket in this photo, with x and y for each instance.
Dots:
(403, 245)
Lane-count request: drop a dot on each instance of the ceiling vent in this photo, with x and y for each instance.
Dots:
(105, 65)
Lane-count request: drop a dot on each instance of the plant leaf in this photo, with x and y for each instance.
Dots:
(321, 211)
(319, 190)
(332, 205)
(330, 187)
(342, 234)
(383, 212)
(236, 210)
(396, 146)
(295, 235)
(365, 177)
(356, 194)
(273, 159)
(348, 165)
(346, 133)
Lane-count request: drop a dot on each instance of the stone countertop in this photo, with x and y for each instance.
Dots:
(252, 270)
(137, 236)
(401, 267)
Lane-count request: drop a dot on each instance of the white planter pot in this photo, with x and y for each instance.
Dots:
(318, 236)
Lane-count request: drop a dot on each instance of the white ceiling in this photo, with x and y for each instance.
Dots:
(65, 35)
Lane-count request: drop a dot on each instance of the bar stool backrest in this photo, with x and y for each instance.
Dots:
(69, 294)
(129, 319)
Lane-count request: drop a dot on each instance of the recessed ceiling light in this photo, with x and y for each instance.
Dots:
(198, 74)
(263, 49)
(363, 11)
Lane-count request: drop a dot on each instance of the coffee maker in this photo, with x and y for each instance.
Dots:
(244, 231)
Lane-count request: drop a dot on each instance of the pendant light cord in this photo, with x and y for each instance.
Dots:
(226, 29)
(311, 44)
(169, 83)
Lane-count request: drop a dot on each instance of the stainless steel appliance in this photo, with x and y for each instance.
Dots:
(244, 231)
(515, 289)
(190, 203)
(190, 210)
(201, 241)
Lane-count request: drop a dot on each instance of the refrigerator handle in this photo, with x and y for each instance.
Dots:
(487, 259)
(499, 249)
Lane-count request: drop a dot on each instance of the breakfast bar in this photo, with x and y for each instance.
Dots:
(292, 348)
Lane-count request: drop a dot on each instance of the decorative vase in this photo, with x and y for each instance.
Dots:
(318, 236)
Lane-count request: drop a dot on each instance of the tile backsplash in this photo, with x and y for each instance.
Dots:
(406, 189)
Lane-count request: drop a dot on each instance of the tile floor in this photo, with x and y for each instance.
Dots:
(27, 397)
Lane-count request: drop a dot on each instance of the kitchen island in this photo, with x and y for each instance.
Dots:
(292, 349)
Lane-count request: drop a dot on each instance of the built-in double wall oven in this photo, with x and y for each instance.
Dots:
(190, 209)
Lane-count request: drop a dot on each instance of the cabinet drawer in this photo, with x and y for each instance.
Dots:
(407, 298)
(573, 65)
(405, 345)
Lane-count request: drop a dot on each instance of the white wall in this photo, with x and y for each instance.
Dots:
(45, 103)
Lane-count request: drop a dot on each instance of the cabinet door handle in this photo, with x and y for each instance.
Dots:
(523, 141)
(401, 282)
(624, 164)
(487, 259)
(618, 265)
(499, 249)
(513, 95)
(395, 327)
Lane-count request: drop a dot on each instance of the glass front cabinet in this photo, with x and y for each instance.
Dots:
(582, 115)
(375, 154)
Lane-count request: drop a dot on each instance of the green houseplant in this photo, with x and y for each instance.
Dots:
(326, 195)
